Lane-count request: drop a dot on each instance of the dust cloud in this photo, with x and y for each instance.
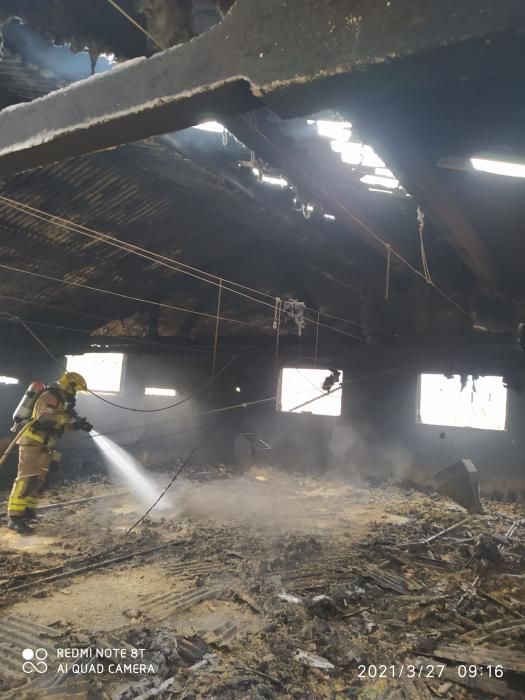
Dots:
(361, 454)
(266, 498)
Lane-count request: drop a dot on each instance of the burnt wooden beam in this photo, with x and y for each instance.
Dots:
(296, 58)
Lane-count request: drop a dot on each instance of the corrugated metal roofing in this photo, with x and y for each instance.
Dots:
(153, 195)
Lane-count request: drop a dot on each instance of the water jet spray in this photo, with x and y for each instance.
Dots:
(127, 468)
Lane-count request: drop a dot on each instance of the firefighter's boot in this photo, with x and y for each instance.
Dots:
(19, 525)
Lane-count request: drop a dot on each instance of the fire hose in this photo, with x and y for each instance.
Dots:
(15, 439)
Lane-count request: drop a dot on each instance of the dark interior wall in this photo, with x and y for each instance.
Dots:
(377, 434)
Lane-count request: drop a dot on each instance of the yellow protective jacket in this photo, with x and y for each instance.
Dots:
(52, 417)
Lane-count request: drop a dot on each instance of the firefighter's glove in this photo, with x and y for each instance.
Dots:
(82, 424)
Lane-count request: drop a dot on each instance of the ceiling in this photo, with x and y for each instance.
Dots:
(193, 196)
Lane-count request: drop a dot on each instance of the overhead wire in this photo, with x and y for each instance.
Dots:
(157, 303)
(60, 309)
(157, 258)
(216, 336)
(162, 305)
(137, 24)
(355, 218)
(246, 404)
(200, 414)
(113, 403)
(214, 279)
(160, 259)
(101, 338)
(421, 230)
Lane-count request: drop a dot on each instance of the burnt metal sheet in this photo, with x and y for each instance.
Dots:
(460, 482)
(294, 57)
(163, 606)
(24, 633)
(220, 636)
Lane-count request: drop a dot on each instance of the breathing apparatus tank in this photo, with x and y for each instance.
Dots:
(24, 410)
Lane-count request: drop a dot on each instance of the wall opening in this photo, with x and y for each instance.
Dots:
(157, 391)
(8, 380)
(316, 391)
(471, 403)
(102, 371)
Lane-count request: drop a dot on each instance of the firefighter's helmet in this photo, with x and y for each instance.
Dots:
(72, 382)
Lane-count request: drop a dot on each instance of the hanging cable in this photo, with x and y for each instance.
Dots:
(357, 220)
(161, 305)
(247, 404)
(158, 258)
(216, 329)
(125, 339)
(316, 340)
(112, 403)
(421, 228)
(60, 309)
(277, 328)
(387, 270)
(349, 381)
(210, 412)
(137, 25)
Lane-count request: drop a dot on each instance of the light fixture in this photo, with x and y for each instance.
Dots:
(8, 380)
(330, 217)
(214, 127)
(334, 130)
(371, 159)
(376, 189)
(238, 389)
(269, 179)
(155, 391)
(389, 182)
(498, 167)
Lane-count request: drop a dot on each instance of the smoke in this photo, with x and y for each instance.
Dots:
(362, 453)
(50, 60)
(3, 24)
(266, 498)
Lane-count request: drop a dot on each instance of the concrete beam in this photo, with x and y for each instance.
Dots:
(295, 57)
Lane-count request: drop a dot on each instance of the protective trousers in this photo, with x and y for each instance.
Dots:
(33, 465)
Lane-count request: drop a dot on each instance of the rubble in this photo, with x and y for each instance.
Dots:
(313, 660)
(280, 609)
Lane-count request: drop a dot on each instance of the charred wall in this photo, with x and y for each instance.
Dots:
(377, 435)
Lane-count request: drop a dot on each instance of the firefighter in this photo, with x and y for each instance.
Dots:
(53, 413)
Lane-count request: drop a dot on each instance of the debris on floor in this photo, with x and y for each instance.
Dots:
(334, 591)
